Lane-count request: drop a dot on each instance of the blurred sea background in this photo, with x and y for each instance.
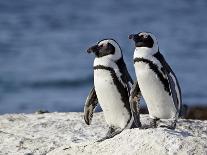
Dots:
(43, 58)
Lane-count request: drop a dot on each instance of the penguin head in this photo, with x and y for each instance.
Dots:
(107, 48)
(145, 40)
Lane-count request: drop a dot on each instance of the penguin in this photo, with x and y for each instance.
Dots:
(157, 81)
(112, 85)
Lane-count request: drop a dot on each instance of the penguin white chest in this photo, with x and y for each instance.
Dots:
(110, 99)
(159, 102)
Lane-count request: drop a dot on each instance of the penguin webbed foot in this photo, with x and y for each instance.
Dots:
(153, 124)
(172, 126)
(168, 127)
(111, 133)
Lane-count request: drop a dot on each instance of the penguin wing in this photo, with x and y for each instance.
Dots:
(90, 105)
(173, 90)
(126, 78)
(172, 80)
(135, 96)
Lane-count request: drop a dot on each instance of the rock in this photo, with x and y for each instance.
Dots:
(67, 133)
(40, 111)
(196, 112)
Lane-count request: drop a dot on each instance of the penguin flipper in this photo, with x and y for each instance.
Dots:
(177, 99)
(90, 105)
(172, 86)
(173, 91)
(134, 100)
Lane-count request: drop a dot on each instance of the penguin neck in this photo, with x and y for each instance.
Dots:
(144, 52)
(104, 61)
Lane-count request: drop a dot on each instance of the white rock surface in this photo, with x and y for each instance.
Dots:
(66, 133)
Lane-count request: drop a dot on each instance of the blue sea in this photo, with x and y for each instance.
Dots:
(43, 58)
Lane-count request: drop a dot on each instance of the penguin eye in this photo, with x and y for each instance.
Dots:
(100, 46)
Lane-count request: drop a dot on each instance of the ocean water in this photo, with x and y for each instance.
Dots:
(43, 58)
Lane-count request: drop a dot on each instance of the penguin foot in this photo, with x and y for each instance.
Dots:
(111, 133)
(168, 127)
(172, 126)
(153, 124)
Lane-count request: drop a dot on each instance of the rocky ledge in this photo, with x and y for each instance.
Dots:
(66, 133)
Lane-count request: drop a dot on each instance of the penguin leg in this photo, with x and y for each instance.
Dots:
(111, 133)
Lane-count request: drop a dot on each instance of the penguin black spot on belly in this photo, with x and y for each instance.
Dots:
(154, 67)
(122, 90)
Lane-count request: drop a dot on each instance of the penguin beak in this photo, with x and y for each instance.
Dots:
(93, 49)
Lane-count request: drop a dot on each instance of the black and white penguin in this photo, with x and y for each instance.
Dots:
(112, 84)
(157, 82)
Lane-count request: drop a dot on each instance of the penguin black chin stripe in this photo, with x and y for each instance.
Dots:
(154, 67)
